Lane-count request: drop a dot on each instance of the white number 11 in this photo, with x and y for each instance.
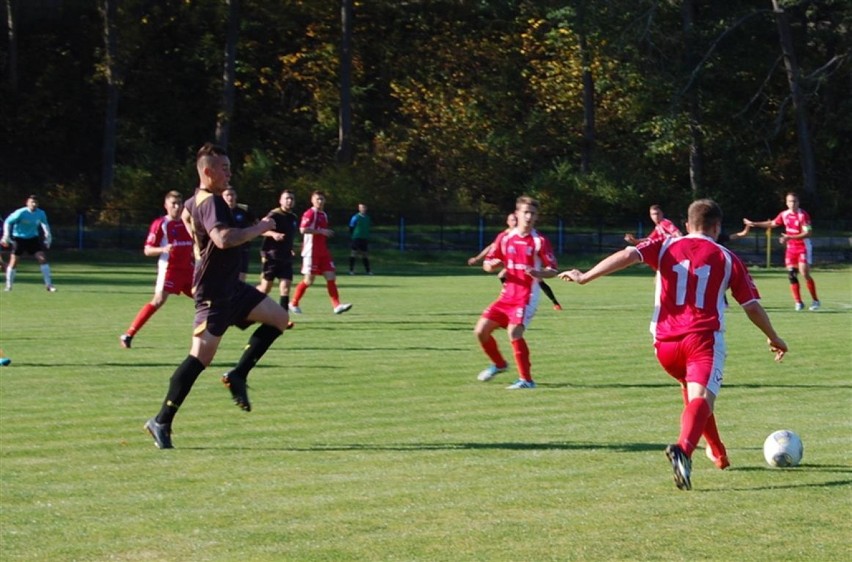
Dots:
(682, 271)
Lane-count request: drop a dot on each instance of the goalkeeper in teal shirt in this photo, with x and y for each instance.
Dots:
(359, 229)
(23, 230)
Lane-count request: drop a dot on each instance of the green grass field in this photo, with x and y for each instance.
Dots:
(371, 438)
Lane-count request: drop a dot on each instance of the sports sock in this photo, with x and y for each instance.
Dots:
(300, 292)
(45, 272)
(797, 293)
(522, 358)
(258, 343)
(812, 289)
(545, 288)
(351, 265)
(490, 348)
(144, 314)
(179, 386)
(10, 276)
(331, 287)
(711, 436)
(284, 301)
(367, 264)
(692, 423)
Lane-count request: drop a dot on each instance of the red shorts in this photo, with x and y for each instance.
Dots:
(504, 314)
(175, 281)
(697, 357)
(796, 255)
(317, 265)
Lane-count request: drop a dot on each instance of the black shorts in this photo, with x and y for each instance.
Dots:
(360, 244)
(28, 245)
(244, 261)
(281, 269)
(217, 316)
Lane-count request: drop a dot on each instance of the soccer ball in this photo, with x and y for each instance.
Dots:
(783, 448)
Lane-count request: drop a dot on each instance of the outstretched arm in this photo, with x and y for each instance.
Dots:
(759, 318)
(615, 262)
(759, 224)
(480, 256)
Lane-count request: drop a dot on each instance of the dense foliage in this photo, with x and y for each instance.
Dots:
(456, 104)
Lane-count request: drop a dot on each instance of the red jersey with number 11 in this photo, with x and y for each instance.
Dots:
(693, 273)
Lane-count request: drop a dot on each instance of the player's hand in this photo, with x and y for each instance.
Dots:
(267, 224)
(471, 261)
(778, 347)
(782, 239)
(748, 223)
(572, 275)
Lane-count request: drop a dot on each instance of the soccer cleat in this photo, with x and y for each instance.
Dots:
(521, 383)
(800, 306)
(721, 462)
(814, 305)
(5, 361)
(125, 340)
(50, 288)
(294, 309)
(239, 390)
(7, 288)
(341, 308)
(290, 325)
(161, 432)
(557, 306)
(681, 466)
(490, 372)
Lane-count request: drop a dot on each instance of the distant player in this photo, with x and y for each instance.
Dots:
(663, 227)
(22, 231)
(169, 242)
(527, 257)
(316, 258)
(688, 325)
(276, 253)
(243, 218)
(359, 229)
(799, 255)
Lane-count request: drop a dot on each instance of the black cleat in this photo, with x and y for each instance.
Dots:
(161, 432)
(239, 390)
(681, 466)
(125, 340)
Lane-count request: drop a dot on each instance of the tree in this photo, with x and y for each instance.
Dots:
(109, 11)
(226, 111)
(344, 141)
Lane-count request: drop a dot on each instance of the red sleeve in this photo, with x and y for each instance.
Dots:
(548, 259)
(155, 234)
(497, 248)
(779, 220)
(307, 219)
(742, 285)
(649, 250)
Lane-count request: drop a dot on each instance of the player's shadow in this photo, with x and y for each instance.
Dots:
(464, 446)
(791, 486)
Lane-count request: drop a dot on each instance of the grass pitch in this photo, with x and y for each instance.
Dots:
(371, 438)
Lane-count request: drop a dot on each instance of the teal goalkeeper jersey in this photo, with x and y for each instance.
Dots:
(24, 223)
(360, 225)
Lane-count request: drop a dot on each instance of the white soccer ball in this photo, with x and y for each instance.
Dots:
(783, 448)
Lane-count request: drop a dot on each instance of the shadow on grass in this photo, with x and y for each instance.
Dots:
(464, 446)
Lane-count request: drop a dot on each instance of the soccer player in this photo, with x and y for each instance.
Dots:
(169, 241)
(512, 222)
(527, 257)
(22, 231)
(276, 253)
(663, 227)
(316, 258)
(693, 273)
(221, 299)
(799, 255)
(359, 230)
(243, 218)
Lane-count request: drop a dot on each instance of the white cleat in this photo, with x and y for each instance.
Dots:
(294, 309)
(341, 308)
(814, 305)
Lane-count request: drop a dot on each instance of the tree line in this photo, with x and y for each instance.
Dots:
(595, 108)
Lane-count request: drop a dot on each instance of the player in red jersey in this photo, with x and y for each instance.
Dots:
(169, 241)
(799, 254)
(316, 258)
(527, 257)
(693, 273)
(663, 227)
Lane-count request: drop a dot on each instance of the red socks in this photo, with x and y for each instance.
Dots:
(812, 288)
(693, 422)
(300, 292)
(797, 293)
(522, 358)
(145, 313)
(331, 287)
(489, 346)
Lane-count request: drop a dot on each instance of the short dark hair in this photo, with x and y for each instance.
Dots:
(704, 214)
(526, 200)
(210, 149)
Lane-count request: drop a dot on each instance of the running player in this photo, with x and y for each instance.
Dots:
(316, 258)
(526, 257)
(169, 241)
(276, 253)
(243, 218)
(663, 227)
(693, 273)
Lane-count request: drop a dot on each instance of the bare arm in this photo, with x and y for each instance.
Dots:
(759, 224)
(327, 232)
(615, 262)
(546, 273)
(759, 318)
(480, 256)
(225, 237)
(156, 251)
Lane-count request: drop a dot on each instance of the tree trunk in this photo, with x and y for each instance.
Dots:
(588, 95)
(806, 153)
(12, 36)
(344, 138)
(110, 11)
(226, 111)
(696, 139)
